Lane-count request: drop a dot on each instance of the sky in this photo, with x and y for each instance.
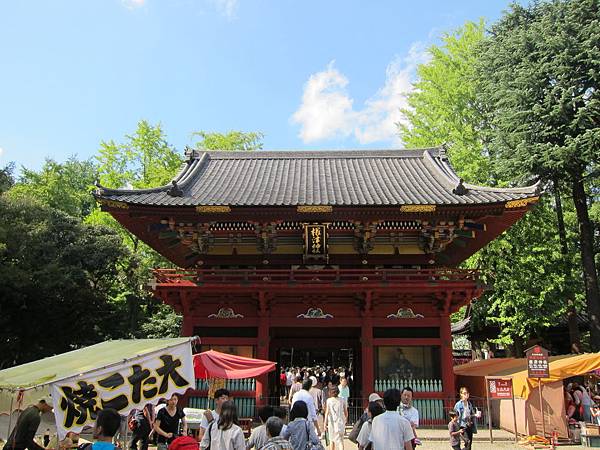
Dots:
(321, 74)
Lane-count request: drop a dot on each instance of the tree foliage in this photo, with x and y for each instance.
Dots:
(443, 107)
(143, 160)
(525, 265)
(232, 140)
(539, 75)
(56, 281)
(7, 177)
(63, 186)
(529, 287)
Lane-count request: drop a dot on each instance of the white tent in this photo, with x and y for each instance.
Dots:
(123, 374)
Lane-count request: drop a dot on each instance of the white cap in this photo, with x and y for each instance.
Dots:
(374, 397)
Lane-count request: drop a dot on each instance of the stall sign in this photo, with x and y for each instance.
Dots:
(500, 388)
(537, 362)
(124, 387)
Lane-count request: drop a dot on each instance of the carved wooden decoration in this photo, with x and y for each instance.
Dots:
(314, 313)
(405, 313)
(225, 313)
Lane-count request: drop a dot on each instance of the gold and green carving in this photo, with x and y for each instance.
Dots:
(114, 204)
(417, 208)
(213, 209)
(520, 203)
(314, 209)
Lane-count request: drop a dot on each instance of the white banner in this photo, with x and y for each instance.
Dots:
(123, 387)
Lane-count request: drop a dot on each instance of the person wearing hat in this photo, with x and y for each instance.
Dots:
(23, 434)
(353, 436)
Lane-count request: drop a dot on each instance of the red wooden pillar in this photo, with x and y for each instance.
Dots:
(366, 343)
(262, 350)
(187, 327)
(448, 378)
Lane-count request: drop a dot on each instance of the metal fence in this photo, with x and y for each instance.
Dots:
(246, 406)
(433, 412)
(419, 385)
(243, 384)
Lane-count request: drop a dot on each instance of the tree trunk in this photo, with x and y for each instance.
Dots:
(590, 276)
(574, 336)
(519, 351)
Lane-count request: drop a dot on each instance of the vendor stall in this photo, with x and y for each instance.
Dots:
(123, 374)
(526, 390)
(212, 364)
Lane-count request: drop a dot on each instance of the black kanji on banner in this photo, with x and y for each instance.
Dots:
(81, 404)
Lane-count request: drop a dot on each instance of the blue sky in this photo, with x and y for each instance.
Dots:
(308, 74)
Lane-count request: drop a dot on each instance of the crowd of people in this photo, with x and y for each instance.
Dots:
(582, 403)
(388, 422)
(317, 411)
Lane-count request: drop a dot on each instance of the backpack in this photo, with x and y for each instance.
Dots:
(184, 443)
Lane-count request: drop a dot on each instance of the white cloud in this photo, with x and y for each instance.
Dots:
(227, 8)
(1, 152)
(327, 109)
(133, 4)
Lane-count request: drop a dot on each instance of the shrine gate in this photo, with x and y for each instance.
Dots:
(330, 252)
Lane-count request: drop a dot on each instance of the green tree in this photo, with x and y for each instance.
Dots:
(539, 74)
(443, 106)
(232, 140)
(529, 286)
(63, 186)
(143, 160)
(56, 279)
(163, 323)
(6, 177)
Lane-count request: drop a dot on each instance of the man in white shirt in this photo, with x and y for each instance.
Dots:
(305, 396)
(410, 412)
(391, 431)
(221, 396)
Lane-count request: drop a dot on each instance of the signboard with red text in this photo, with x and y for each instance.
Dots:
(537, 362)
(499, 388)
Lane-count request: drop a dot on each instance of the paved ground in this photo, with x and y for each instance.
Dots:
(435, 439)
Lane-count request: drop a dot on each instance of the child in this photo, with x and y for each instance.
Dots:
(455, 430)
(107, 425)
(596, 414)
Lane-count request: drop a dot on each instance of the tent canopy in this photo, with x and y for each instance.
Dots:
(561, 367)
(34, 378)
(212, 364)
(65, 365)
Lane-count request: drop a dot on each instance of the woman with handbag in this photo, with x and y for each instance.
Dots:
(467, 414)
(300, 431)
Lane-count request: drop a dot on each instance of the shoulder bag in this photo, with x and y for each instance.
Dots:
(310, 445)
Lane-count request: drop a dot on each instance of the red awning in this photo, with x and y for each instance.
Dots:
(212, 364)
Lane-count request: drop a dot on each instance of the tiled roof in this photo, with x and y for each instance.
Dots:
(343, 178)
